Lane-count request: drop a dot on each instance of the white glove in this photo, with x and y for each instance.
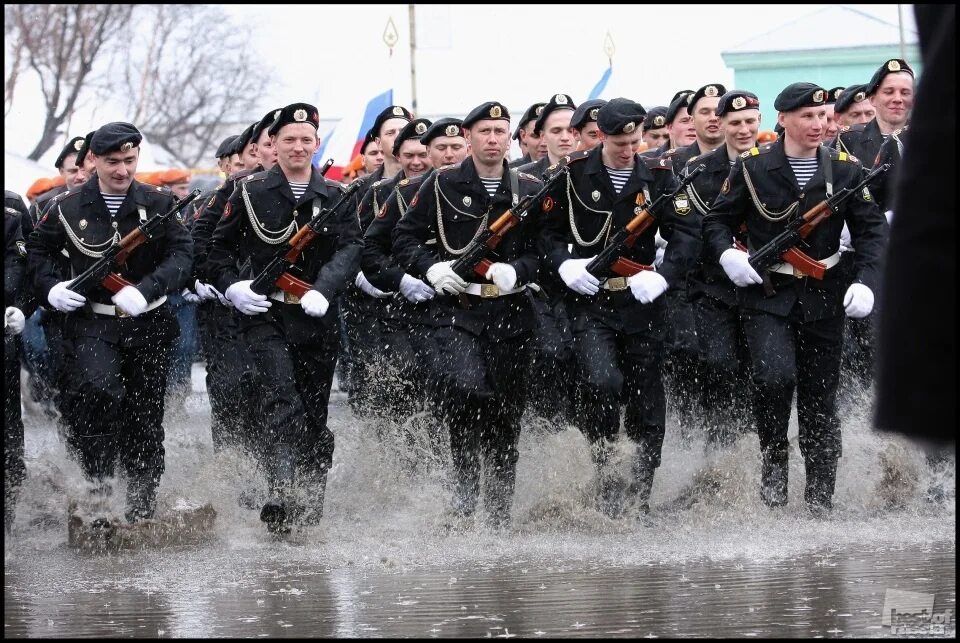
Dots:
(314, 303)
(247, 301)
(502, 275)
(64, 299)
(442, 277)
(13, 321)
(658, 259)
(845, 239)
(190, 298)
(858, 302)
(647, 285)
(574, 274)
(368, 287)
(889, 215)
(415, 290)
(204, 291)
(737, 266)
(130, 301)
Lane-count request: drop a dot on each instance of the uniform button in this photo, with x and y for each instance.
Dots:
(454, 217)
(324, 229)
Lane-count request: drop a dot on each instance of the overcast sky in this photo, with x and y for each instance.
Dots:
(334, 56)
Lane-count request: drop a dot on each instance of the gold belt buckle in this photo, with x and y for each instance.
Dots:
(290, 299)
(489, 291)
(617, 283)
(797, 273)
(120, 312)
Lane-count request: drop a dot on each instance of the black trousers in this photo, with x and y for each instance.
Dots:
(551, 378)
(365, 339)
(786, 354)
(294, 391)
(619, 366)
(725, 387)
(117, 410)
(14, 470)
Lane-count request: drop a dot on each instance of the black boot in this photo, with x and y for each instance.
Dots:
(277, 510)
(611, 487)
(312, 492)
(642, 485)
(773, 478)
(141, 498)
(821, 480)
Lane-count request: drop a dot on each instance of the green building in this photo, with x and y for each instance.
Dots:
(835, 46)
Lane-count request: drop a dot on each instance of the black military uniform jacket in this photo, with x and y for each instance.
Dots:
(80, 223)
(680, 156)
(452, 206)
(14, 258)
(329, 263)
(374, 197)
(598, 212)
(536, 168)
(707, 277)
(862, 142)
(890, 152)
(42, 202)
(378, 264)
(777, 192)
(516, 163)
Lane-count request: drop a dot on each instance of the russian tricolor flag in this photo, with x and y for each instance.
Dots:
(343, 142)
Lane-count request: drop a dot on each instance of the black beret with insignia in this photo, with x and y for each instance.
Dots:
(442, 127)
(799, 95)
(620, 116)
(226, 147)
(892, 66)
(707, 91)
(82, 152)
(117, 136)
(736, 100)
(73, 146)
(586, 113)
(369, 138)
(295, 113)
(415, 129)
(556, 102)
(655, 118)
(491, 110)
(849, 96)
(264, 124)
(530, 115)
(394, 111)
(834, 94)
(246, 136)
(678, 101)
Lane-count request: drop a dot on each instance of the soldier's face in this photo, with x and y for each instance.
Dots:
(740, 129)
(681, 130)
(266, 150)
(447, 150)
(832, 125)
(656, 137)
(236, 163)
(225, 166)
(180, 190)
(490, 140)
(413, 158)
(388, 134)
(296, 143)
(72, 175)
(893, 100)
(116, 170)
(529, 141)
(589, 137)
(249, 155)
(561, 138)
(861, 112)
(804, 126)
(372, 156)
(618, 149)
(706, 123)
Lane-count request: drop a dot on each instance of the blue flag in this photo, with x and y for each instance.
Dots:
(601, 84)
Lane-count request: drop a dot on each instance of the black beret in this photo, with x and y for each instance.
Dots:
(491, 110)
(264, 124)
(73, 146)
(556, 102)
(82, 152)
(367, 139)
(226, 147)
(586, 113)
(798, 96)
(892, 66)
(394, 111)
(678, 101)
(710, 91)
(530, 115)
(295, 113)
(655, 118)
(736, 100)
(620, 116)
(115, 136)
(415, 129)
(443, 127)
(849, 96)
(246, 136)
(834, 94)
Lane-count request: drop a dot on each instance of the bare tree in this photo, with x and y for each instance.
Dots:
(191, 73)
(62, 43)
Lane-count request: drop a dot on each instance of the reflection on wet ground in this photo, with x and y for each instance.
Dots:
(714, 561)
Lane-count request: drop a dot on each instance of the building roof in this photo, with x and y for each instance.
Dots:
(850, 28)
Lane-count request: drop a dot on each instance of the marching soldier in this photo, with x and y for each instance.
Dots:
(680, 128)
(119, 342)
(553, 126)
(853, 108)
(584, 121)
(890, 91)
(655, 131)
(527, 137)
(833, 121)
(293, 340)
(794, 334)
(481, 329)
(618, 323)
(14, 262)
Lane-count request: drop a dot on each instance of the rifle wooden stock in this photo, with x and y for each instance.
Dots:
(628, 268)
(798, 259)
